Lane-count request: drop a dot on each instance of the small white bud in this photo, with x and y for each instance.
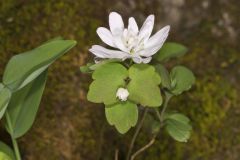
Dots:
(122, 94)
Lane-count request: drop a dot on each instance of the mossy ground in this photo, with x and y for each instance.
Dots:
(68, 127)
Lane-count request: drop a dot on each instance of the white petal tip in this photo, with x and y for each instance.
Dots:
(114, 14)
(99, 29)
(152, 17)
(168, 27)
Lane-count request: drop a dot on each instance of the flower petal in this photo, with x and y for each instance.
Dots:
(148, 52)
(118, 40)
(159, 38)
(106, 36)
(102, 52)
(132, 25)
(137, 59)
(147, 28)
(116, 23)
(147, 60)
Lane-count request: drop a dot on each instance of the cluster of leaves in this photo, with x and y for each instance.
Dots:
(22, 87)
(145, 83)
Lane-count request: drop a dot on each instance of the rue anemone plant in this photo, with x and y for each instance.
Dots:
(21, 90)
(131, 80)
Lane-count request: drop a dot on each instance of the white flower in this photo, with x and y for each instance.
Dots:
(122, 94)
(131, 42)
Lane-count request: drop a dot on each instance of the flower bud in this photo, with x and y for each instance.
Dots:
(122, 94)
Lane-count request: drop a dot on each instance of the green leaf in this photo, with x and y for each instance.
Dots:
(86, 68)
(4, 156)
(170, 50)
(164, 74)
(123, 115)
(178, 127)
(24, 105)
(93, 66)
(6, 152)
(97, 65)
(5, 96)
(182, 79)
(107, 79)
(144, 85)
(25, 67)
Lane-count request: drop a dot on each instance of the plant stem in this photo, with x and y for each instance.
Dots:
(116, 154)
(144, 147)
(16, 148)
(158, 114)
(136, 134)
(14, 141)
(101, 141)
(168, 96)
(161, 119)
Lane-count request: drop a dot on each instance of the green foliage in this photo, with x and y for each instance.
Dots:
(5, 95)
(123, 115)
(29, 27)
(4, 156)
(92, 66)
(97, 65)
(23, 84)
(25, 67)
(164, 74)
(6, 152)
(86, 68)
(142, 83)
(178, 127)
(24, 104)
(107, 79)
(181, 79)
(170, 50)
(143, 86)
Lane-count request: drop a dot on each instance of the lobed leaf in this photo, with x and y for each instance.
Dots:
(144, 85)
(122, 115)
(107, 79)
(182, 79)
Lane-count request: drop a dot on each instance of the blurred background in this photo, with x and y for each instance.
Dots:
(68, 127)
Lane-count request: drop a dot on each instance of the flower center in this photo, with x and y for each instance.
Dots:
(131, 41)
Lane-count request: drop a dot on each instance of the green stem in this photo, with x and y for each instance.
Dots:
(136, 134)
(14, 141)
(161, 119)
(16, 148)
(168, 96)
(144, 147)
